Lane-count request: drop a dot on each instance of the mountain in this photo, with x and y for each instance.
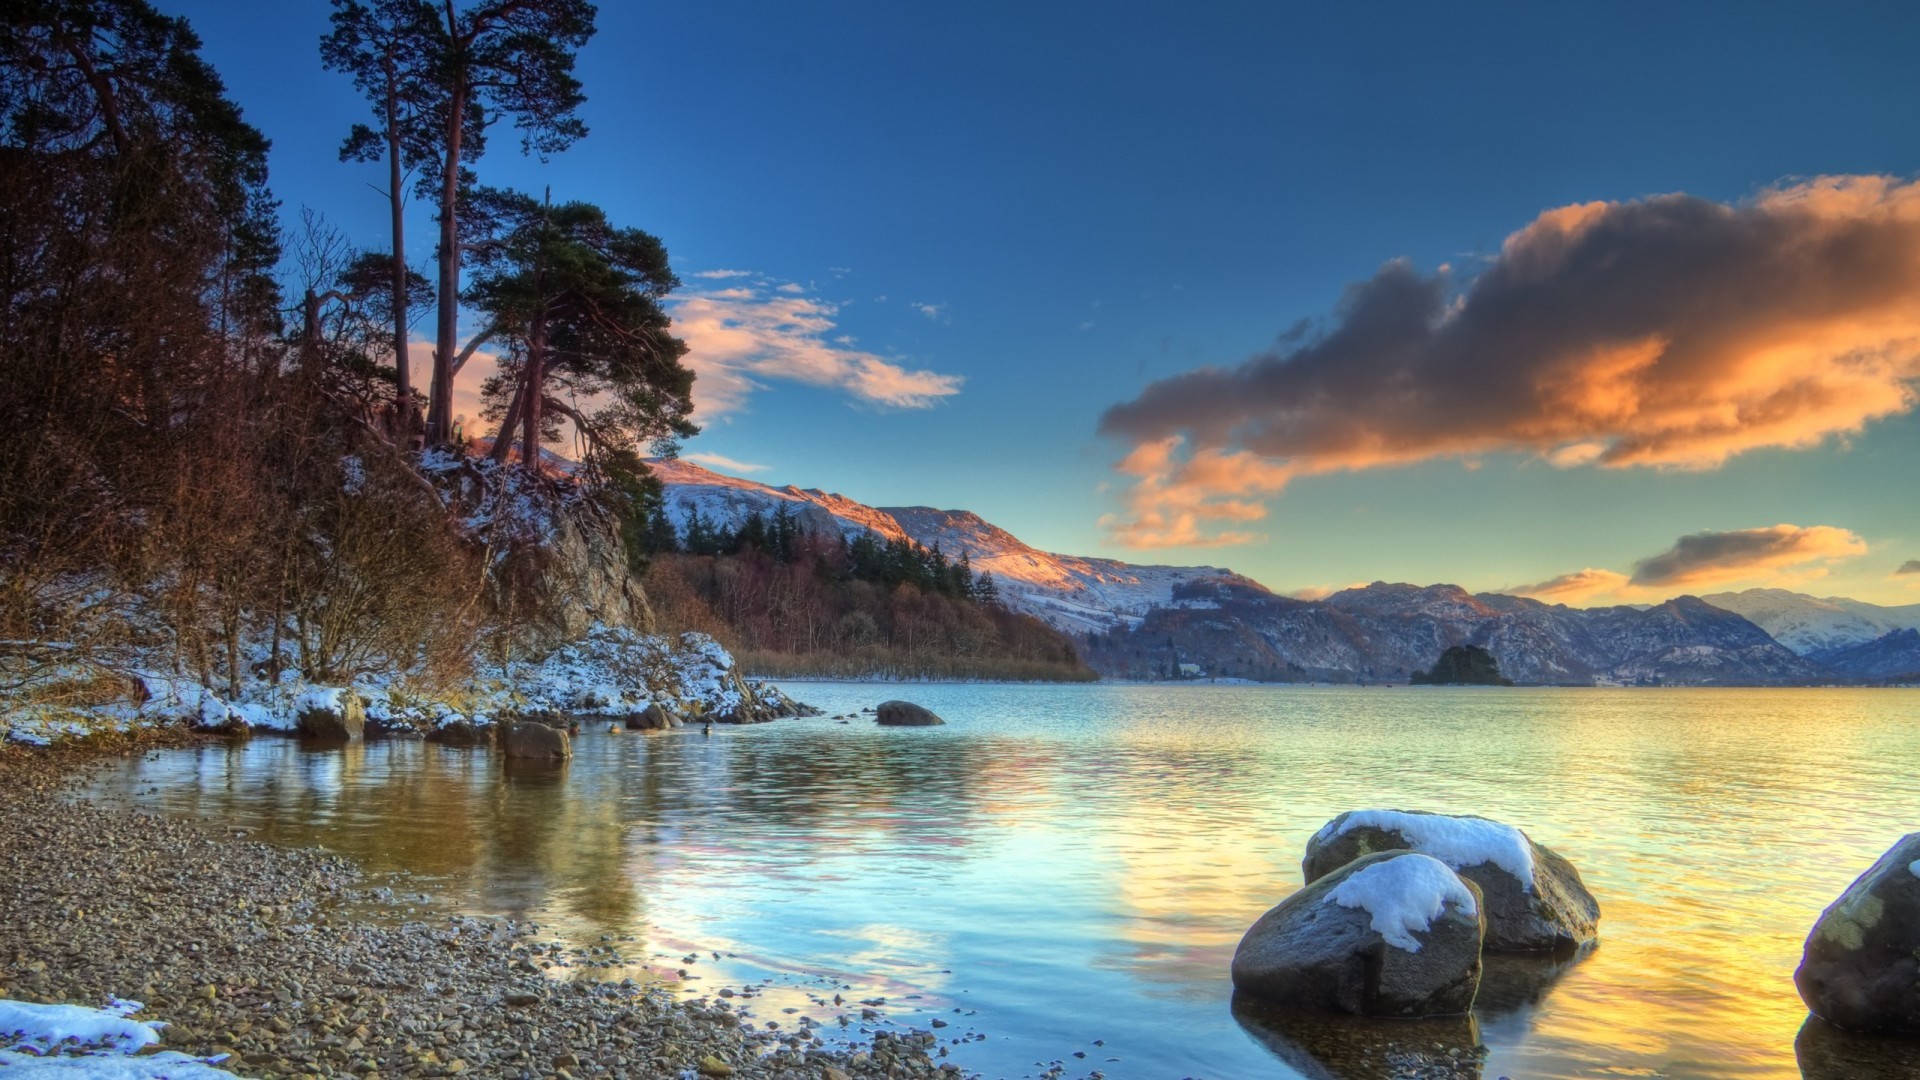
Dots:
(1385, 632)
(1892, 657)
(1166, 622)
(1073, 594)
(1810, 625)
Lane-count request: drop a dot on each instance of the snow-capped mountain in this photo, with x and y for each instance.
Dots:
(1812, 624)
(1071, 593)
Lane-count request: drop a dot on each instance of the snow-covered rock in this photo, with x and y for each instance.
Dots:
(1534, 898)
(1861, 967)
(1395, 933)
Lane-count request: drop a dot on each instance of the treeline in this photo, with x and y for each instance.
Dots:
(794, 603)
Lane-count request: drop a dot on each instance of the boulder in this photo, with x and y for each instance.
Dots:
(652, 718)
(1861, 968)
(906, 714)
(331, 716)
(1535, 900)
(461, 733)
(535, 742)
(1395, 933)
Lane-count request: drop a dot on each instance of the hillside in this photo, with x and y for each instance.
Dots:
(1386, 632)
(1073, 594)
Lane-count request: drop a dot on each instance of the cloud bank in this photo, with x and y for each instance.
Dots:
(724, 463)
(1776, 555)
(747, 334)
(1911, 566)
(1669, 332)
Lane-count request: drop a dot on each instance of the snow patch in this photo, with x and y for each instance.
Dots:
(1914, 868)
(1459, 842)
(1404, 895)
(73, 1040)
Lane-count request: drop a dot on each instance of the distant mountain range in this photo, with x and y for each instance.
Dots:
(1169, 622)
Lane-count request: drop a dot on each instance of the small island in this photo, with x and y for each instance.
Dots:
(1463, 665)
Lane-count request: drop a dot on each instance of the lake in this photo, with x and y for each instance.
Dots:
(1070, 867)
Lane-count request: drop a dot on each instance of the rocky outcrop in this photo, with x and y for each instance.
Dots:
(1534, 898)
(1395, 933)
(331, 716)
(531, 741)
(905, 714)
(1861, 968)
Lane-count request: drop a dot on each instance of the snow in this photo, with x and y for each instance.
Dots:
(76, 1041)
(1459, 842)
(1914, 868)
(318, 699)
(43, 1027)
(353, 474)
(1404, 895)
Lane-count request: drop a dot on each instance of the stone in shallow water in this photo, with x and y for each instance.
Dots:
(906, 714)
(1322, 1047)
(537, 742)
(1395, 933)
(1861, 967)
(1535, 900)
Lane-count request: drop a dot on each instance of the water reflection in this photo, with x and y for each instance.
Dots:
(1827, 1053)
(1066, 864)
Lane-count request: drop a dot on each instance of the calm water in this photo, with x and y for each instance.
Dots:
(1066, 864)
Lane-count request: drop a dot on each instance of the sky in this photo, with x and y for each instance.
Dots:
(1607, 302)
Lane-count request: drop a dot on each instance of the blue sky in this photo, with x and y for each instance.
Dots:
(1051, 206)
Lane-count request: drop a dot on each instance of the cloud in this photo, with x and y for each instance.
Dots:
(793, 288)
(1774, 555)
(741, 337)
(1670, 332)
(1911, 566)
(721, 461)
(721, 275)
(936, 312)
(1575, 588)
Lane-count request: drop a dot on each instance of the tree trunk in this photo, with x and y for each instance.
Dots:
(535, 390)
(440, 397)
(403, 376)
(503, 439)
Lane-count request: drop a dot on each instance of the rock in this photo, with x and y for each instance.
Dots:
(713, 1066)
(332, 717)
(1395, 933)
(654, 717)
(1322, 1047)
(1861, 968)
(535, 742)
(1825, 1052)
(905, 714)
(461, 733)
(1535, 900)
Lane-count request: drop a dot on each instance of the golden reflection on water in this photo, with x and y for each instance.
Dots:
(1080, 862)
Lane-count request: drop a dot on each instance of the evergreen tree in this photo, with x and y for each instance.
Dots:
(497, 59)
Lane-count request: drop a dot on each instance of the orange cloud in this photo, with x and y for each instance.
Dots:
(1670, 332)
(1775, 555)
(742, 336)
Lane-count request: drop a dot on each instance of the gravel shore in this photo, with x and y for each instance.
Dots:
(249, 950)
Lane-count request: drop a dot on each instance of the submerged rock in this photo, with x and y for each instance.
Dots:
(1535, 900)
(654, 717)
(1861, 968)
(535, 742)
(1322, 1047)
(906, 714)
(1824, 1052)
(331, 716)
(1395, 933)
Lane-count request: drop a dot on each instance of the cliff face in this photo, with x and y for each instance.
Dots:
(556, 563)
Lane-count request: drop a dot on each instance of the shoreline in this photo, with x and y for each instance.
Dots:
(244, 949)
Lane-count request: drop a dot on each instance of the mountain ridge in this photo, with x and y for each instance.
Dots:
(1144, 621)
